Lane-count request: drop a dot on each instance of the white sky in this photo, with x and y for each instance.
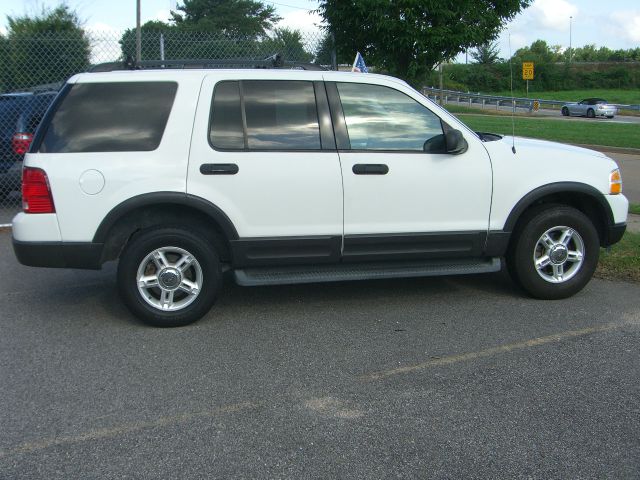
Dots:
(613, 23)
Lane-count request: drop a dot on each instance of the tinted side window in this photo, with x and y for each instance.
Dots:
(381, 118)
(226, 129)
(110, 117)
(281, 115)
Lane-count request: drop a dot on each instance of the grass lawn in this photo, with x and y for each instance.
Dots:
(622, 262)
(634, 208)
(611, 134)
(627, 97)
(453, 108)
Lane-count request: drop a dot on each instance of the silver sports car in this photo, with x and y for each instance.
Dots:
(590, 107)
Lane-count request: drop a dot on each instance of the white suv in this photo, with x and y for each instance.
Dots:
(290, 176)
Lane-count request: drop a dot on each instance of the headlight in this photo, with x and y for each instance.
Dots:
(615, 182)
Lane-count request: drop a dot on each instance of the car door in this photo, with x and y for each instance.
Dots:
(400, 201)
(580, 108)
(263, 152)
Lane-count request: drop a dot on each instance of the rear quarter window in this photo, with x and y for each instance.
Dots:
(110, 117)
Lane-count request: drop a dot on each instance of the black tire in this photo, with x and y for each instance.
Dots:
(520, 257)
(591, 113)
(565, 112)
(609, 116)
(206, 267)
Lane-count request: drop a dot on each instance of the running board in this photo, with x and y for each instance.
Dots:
(250, 277)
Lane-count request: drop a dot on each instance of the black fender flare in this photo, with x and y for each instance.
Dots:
(174, 198)
(559, 187)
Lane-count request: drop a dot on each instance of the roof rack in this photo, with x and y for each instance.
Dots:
(273, 61)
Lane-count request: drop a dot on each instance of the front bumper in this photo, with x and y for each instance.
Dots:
(606, 113)
(59, 254)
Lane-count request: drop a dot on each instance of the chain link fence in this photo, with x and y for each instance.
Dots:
(34, 67)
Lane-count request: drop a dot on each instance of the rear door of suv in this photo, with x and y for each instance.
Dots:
(263, 152)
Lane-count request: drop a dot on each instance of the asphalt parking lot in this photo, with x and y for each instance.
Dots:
(429, 378)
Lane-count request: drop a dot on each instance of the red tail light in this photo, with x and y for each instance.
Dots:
(36, 192)
(21, 142)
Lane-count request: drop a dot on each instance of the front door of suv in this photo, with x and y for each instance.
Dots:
(263, 152)
(404, 197)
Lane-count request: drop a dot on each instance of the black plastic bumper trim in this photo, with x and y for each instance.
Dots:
(615, 233)
(59, 254)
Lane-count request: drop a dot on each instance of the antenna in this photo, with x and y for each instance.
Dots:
(513, 105)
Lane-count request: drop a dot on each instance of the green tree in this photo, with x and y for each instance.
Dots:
(287, 42)
(150, 46)
(538, 52)
(232, 18)
(180, 44)
(46, 48)
(409, 37)
(5, 64)
(486, 54)
(324, 50)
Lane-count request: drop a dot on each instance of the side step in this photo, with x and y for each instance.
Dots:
(365, 271)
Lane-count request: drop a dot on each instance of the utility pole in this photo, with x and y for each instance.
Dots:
(570, 50)
(138, 33)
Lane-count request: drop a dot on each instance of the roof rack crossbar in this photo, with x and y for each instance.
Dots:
(273, 61)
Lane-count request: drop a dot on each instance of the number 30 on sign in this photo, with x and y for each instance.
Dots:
(527, 70)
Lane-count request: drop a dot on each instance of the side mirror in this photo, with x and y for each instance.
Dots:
(456, 144)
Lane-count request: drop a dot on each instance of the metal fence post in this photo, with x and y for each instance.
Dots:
(334, 56)
(138, 33)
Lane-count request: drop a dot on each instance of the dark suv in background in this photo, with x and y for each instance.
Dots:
(20, 115)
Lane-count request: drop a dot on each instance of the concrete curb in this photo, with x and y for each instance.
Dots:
(608, 149)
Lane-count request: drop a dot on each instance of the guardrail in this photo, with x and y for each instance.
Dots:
(498, 101)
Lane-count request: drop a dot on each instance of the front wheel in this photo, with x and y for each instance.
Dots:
(565, 111)
(554, 253)
(169, 277)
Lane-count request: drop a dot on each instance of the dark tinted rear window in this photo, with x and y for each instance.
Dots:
(10, 108)
(110, 117)
(280, 115)
(226, 117)
(32, 114)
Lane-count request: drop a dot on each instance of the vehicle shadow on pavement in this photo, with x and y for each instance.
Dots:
(103, 300)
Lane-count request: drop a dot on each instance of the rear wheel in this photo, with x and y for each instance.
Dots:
(554, 253)
(591, 113)
(565, 111)
(169, 277)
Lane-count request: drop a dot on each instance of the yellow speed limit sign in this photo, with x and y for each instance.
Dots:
(527, 70)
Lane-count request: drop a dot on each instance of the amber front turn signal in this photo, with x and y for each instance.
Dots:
(615, 182)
